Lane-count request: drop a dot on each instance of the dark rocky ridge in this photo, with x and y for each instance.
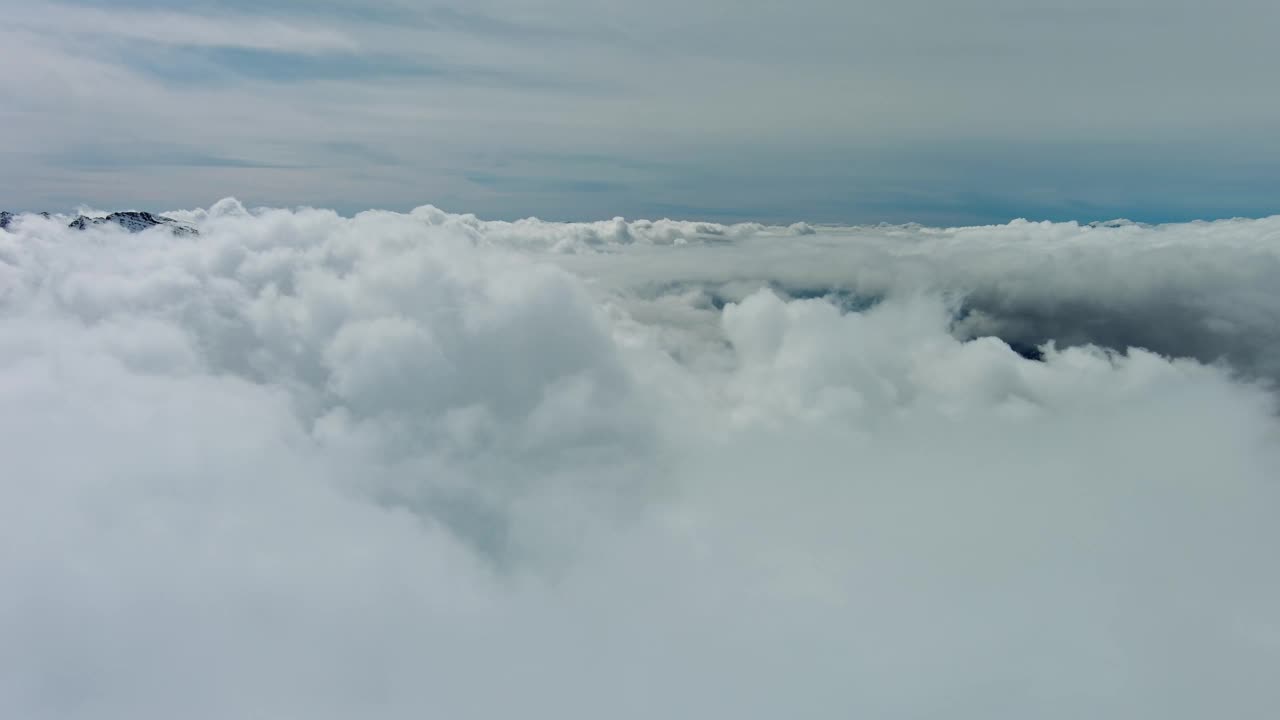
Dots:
(134, 221)
(131, 220)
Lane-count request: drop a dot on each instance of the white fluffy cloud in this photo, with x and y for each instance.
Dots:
(405, 465)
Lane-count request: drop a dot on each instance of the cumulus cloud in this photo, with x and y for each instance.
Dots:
(1199, 290)
(418, 464)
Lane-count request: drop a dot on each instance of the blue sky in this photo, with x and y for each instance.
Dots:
(838, 112)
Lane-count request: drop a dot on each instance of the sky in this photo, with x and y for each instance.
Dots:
(397, 466)
(930, 111)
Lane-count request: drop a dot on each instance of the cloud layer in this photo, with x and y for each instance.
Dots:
(407, 465)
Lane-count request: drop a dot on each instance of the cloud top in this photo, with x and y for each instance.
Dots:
(396, 465)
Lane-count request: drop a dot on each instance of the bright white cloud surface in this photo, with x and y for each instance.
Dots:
(422, 465)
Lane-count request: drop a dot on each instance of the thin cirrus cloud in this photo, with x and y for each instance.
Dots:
(183, 29)
(830, 112)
